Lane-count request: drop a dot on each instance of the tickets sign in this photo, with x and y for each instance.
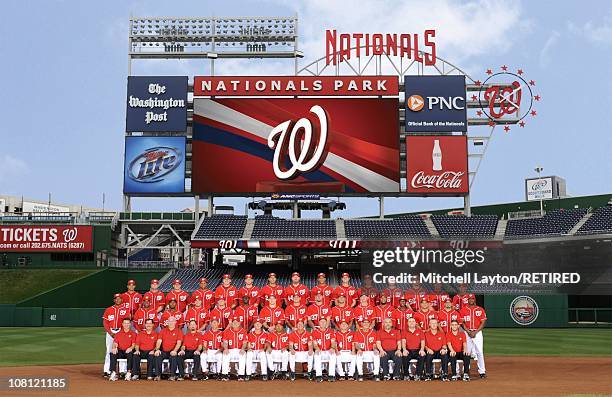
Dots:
(46, 238)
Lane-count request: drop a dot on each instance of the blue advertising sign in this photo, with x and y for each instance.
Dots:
(154, 165)
(156, 104)
(435, 104)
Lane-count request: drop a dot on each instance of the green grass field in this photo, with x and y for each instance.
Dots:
(47, 346)
(19, 284)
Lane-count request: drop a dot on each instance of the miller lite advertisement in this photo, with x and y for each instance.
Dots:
(296, 145)
(45, 238)
(437, 165)
(156, 104)
(154, 165)
(435, 104)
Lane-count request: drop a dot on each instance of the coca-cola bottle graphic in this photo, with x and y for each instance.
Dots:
(436, 156)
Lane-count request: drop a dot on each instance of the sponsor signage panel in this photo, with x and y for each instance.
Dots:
(437, 165)
(156, 104)
(43, 208)
(295, 145)
(46, 238)
(154, 165)
(435, 104)
(295, 86)
(539, 188)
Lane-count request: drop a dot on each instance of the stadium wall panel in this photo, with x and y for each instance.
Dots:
(28, 317)
(72, 317)
(7, 315)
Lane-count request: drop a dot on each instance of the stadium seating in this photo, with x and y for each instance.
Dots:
(600, 221)
(221, 226)
(271, 227)
(556, 222)
(401, 227)
(455, 226)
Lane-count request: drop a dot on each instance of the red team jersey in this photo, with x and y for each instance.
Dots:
(339, 314)
(345, 340)
(124, 339)
(437, 300)
(182, 298)
(258, 341)
(401, 318)
(246, 315)
(272, 315)
(131, 300)
(349, 291)
(278, 341)
(472, 317)
(200, 316)
(316, 312)
(235, 338)
(365, 340)
(323, 339)
(370, 292)
(325, 290)
(192, 340)
(114, 316)
(295, 313)
(445, 318)
(422, 318)
(206, 296)
(414, 299)
(222, 315)
(156, 298)
(393, 295)
(299, 341)
(212, 339)
(146, 341)
(382, 312)
(143, 315)
(362, 312)
(435, 342)
(301, 290)
(459, 301)
(163, 320)
(230, 294)
(269, 290)
(389, 339)
(253, 293)
(169, 338)
(413, 338)
(456, 340)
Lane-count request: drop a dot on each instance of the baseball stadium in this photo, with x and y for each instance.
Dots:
(335, 199)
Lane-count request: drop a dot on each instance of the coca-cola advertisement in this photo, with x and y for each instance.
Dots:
(437, 165)
(46, 238)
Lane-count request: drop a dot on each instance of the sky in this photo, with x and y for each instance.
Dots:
(64, 65)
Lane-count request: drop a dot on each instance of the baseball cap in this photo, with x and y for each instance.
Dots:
(248, 276)
(117, 296)
(173, 299)
(401, 299)
(342, 293)
(320, 275)
(176, 281)
(131, 282)
(295, 274)
(146, 299)
(365, 319)
(226, 276)
(272, 275)
(203, 280)
(258, 320)
(345, 275)
(155, 281)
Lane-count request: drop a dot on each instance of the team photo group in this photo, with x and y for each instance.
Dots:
(277, 331)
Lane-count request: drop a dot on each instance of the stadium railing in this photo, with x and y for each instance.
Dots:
(589, 316)
(126, 264)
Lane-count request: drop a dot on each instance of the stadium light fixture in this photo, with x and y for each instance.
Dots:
(539, 169)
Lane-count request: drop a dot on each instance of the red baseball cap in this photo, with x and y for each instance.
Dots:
(342, 293)
(248, 276)
(320, 275)
(203, 280)
(471, 296)
(295, 274)
(131, 282)
(258, 320)
(155, 281)
(226, 276)
(272, 275)
(146, 299)
(345, 275)
(116, 296)
(176, 281)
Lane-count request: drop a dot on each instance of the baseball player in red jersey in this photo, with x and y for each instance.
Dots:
(438, 297)
(389, 345)
(171, 312)
(346, 287)
(436, 348)
(324, 346)
(258, 339)
(446, 315)
(394, 292)
(212, 348)
(413, 345)
(365, 341)
(272, 289)
(424, 315)
(296, 288)
(364, 310)
(457, 350)
(415, 296)
(158, 300)
(300, 349)
(131, 299)
(191, 348)
(322, 288)
(461, 299)
(250, 291)
(474, 319)
(277, 350)
(341, 312)
(206, 295)
(123, 347)
(221, 313)
(144, 349)
(318, 311)
(383, 310)
(169, 342)
(272, 314)
(198, 314)
(369, 289)
(227, 292)
(402, 314)
(145, 312)
(181, 297)
(235, 345)
(345, 352)
(295, 312)
(111, 319)
(246, 312)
